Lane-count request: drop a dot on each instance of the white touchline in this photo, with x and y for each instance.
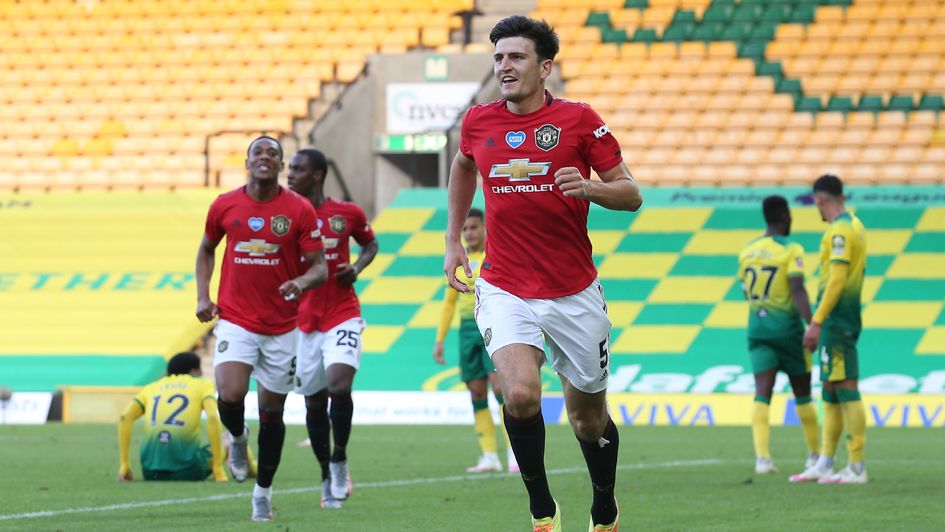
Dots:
(360, 485)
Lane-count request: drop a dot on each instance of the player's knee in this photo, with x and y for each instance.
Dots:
(270, 417)
(317, 402)
(521, 401)
(340, 395)
(588, 427)
(477, 389)
(231, 393)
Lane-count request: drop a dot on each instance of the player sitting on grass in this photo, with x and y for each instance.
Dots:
(172, 406)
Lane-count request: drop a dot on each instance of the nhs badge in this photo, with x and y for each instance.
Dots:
(256, 223)
(515, 138)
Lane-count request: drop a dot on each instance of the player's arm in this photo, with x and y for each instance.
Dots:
(835, 282)
(133, 411)
(617, 190)
(315, 275)
(206, 258)
(348, 273)
(799, 294)
(215, 433)
(462, 188)
(446, 317)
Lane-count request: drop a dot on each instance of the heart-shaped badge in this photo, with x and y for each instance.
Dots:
(515, 138)
(256, 223)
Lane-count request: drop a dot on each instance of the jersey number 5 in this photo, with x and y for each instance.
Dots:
(171, 419)
(749, 271)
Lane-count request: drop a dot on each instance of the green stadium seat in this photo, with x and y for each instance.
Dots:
(618, 36)
(768, 68)
(764, 31)
(931, 102)
(871, 103)
(752, 49)
(638, 4)
(842, 104)
(789, 86)
(747, 13)
(837, 2)
(642, 35)
(679, 32)
(807, 104)
(777, 12)
(684, 17)
(718, 13)
(802, 14)
(708, 31)
(900, 102)
(601, 19)
(736, 31)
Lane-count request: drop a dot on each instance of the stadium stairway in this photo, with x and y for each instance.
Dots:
(97, 289)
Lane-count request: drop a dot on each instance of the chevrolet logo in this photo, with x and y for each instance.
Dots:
(519, 169)
(256, 247)
(330, 243)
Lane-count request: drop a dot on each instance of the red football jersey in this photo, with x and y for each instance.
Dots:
(537, 244)
(264, 246)
(334, 302)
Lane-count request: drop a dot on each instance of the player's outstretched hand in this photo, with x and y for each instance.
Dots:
(206, 310)
(124, 474)
(438, 354)
(346, 273)
(291, 289)
(571, 183)
(456, 257)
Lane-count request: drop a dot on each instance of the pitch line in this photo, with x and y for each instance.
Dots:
(360, 485)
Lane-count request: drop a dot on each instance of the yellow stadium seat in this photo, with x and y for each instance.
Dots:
(927, 173)
(434, 36)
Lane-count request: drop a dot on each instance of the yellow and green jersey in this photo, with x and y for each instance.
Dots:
(172, 410)
(765, 267)
(466, 301)
(845, 242)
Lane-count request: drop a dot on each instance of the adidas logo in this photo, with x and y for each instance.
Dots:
(490, 143)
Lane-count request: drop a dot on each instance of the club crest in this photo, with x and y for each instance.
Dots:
(546, 137)
(337, 223)
(280, 224)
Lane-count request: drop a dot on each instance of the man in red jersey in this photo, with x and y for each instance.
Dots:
(329, 349)
(269, 230)
(538, 283)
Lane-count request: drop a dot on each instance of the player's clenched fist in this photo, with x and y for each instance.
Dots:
(206, 310)
(291, 289)
(571, 183)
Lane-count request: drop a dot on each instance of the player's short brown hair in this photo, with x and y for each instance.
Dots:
(537, 31)
(830, 185)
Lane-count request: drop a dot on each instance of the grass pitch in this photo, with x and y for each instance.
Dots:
(411, 478)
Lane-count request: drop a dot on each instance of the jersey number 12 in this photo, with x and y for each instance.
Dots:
(171, 419)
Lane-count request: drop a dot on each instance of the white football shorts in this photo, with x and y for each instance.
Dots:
(272, 357)
(575, 328)
(318, 350)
